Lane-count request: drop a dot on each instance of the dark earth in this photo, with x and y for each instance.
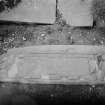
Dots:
(16, 34)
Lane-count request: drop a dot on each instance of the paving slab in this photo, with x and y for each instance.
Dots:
(52, 64)
(36, 11)
(76, 12)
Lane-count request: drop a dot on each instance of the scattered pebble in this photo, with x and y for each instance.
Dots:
(24, 38)
(20, 36)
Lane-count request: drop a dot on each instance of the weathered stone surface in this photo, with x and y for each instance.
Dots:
(76, 12)
(38, 11)
(52, 64)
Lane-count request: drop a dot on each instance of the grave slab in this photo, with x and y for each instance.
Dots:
(76, 12)
(36, 11)
(52, 64)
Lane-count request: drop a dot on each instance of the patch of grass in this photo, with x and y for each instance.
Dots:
(98, 11)
(8, 4)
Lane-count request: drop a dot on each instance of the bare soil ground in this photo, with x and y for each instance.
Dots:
(21, 35)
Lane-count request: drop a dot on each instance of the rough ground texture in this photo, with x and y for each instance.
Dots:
(26, 35)
(20, 35)
(11, 94)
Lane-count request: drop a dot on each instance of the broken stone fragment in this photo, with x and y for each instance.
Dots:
(76, 12)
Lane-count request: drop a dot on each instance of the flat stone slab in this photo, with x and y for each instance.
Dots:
(76, 12)
(52, 64)
(36, 11)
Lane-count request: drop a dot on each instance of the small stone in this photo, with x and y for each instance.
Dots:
(94, 39)
(69, 32)
(93, 86)
(52, 95)
(13, 34)
(43, 35)
(24, 38)
(102, 42)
